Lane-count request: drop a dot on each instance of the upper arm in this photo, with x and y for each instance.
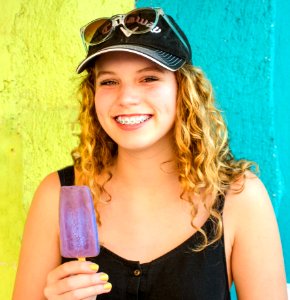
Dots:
(256, 261)
(40, 244)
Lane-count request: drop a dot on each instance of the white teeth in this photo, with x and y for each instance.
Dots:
(132, 120)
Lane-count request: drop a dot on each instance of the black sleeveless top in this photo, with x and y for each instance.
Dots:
(180, 274)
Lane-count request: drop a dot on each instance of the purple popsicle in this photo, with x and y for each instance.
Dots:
(77, 220)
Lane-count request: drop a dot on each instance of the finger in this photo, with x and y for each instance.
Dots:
(55, 278)
(87, 292)
(71, 268)
(80, 281)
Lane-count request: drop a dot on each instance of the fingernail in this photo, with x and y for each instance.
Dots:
(107, 286)
(104, 277)
(94, 267)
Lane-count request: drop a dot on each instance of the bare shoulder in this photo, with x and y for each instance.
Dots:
(248, 207)
(253, 248)
(40, 242)
(48, 190)
(248, 196)
(44, 205)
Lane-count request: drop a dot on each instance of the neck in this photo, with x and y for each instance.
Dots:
(138, 167)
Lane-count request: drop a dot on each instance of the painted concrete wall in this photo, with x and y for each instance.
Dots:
(40, 49)
(281, 98)
(244, 48)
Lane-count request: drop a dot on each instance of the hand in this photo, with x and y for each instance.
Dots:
(76, 280)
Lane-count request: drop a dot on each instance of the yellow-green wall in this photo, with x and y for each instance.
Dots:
(39, 51)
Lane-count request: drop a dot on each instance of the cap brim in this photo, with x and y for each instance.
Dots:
(164, 59)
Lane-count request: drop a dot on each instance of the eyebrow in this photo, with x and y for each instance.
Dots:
(146, 69)
(152, 68)
(100, 73)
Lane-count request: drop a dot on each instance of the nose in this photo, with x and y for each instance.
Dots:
(128, 95)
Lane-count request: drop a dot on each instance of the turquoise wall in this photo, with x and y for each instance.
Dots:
(244, 48)
(281, 98)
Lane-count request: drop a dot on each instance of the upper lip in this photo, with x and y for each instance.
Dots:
(131, 115)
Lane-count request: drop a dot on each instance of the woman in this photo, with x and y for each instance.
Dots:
(179, 217)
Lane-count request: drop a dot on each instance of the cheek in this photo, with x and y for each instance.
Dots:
(97, 108)
(100, 106)
(172, 90)
(100, 114)
(171, 99)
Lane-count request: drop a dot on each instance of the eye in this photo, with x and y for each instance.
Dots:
(108, 82)
(150, 78)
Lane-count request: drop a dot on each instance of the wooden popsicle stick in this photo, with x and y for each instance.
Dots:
(81, 259)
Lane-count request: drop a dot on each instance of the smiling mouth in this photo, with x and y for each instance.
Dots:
(126, 120)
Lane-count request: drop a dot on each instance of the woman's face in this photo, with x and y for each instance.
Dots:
(135, 100)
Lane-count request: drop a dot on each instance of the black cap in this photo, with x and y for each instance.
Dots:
(161, 45)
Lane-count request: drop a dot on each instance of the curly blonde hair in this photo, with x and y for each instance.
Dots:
(204, 161)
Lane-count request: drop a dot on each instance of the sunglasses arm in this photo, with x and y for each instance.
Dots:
(175, 31)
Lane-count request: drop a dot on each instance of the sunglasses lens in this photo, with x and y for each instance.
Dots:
(97, 31)
(141, 20)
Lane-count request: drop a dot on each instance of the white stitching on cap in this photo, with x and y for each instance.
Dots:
(172, 60)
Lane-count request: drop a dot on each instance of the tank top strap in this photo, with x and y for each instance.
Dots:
(67, 176)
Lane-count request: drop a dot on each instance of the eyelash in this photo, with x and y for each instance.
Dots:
(113, 82)
(150, 79)
(108, 82)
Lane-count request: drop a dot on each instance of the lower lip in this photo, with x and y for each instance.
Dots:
(132, 126)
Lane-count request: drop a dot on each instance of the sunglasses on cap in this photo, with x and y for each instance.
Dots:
(137, 21)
